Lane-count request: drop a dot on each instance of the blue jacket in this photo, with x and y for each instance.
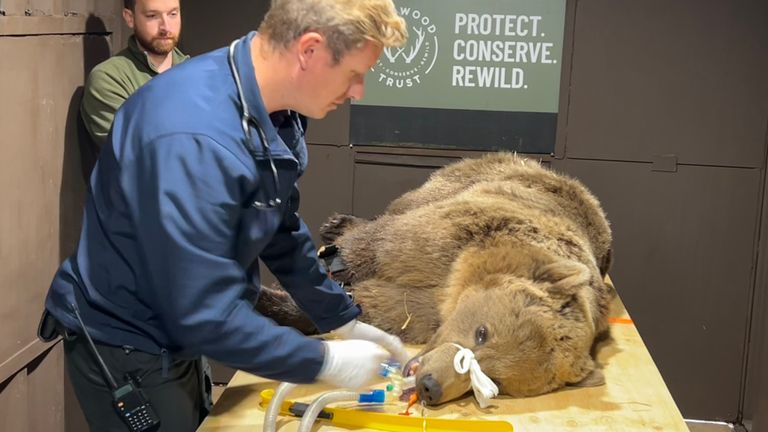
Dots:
(170, 241)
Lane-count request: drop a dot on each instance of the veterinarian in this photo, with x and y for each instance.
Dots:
(197, 181)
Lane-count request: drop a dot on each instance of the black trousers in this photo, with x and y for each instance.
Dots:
(177, 398)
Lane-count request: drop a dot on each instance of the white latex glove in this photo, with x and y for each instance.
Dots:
(352, 364)
(359, 330)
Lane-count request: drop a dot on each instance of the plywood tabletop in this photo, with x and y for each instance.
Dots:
(634, 398)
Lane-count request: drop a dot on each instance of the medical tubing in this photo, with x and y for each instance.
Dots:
(317, 405)
(273, 410)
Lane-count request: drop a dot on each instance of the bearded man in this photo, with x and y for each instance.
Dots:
(151, 50)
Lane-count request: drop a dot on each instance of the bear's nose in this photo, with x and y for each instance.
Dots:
(429, 390)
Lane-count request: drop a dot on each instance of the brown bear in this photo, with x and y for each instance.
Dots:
(496, 254)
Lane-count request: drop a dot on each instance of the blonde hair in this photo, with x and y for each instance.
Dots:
(345, 24)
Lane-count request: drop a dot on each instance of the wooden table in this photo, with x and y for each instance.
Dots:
(634, 397)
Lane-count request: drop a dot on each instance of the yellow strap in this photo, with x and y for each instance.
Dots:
(355, 419)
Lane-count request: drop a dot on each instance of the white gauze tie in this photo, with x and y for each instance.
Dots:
(484, 388)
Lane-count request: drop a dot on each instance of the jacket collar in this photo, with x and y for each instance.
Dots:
(283, 127)
(143, 57)
(251, 93)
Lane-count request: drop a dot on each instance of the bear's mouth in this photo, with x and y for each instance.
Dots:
(412, 366)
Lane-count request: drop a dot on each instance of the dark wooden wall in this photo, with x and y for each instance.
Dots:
(652, 84)
(47, 48)
(664, 114)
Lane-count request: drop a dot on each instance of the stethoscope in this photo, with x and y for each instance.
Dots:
(247, 121)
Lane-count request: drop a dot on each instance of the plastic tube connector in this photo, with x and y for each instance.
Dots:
(398, 387)
(391, 371)
(375, 396)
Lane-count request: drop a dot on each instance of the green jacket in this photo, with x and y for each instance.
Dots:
(111, 82)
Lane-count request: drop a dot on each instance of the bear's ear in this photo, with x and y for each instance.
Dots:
(565, 276)
(585, 373)
(593, 379)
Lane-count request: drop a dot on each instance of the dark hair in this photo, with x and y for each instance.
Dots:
(129, 4)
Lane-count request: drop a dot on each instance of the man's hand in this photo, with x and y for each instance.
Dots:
(358, 330)
(351, 364)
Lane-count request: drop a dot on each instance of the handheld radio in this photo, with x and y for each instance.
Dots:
(129, 401)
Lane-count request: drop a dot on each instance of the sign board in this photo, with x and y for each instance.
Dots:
(494, 55)
(480, 74)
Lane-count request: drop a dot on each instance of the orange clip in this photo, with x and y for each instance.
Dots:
(411, 402)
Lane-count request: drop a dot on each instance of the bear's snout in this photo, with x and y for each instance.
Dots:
(429, 389)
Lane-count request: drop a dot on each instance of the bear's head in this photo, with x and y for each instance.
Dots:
(530, 334)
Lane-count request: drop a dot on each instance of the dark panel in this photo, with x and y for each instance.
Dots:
(756, 395)
(659, 77)
(523, 132)
(756, 403)
(206, 26)
(379, 179)
(326, 186)
(684, 254)
(565, 78)
(333, 129)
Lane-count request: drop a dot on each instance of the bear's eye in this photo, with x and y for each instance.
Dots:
(566, 308)
(481, 335)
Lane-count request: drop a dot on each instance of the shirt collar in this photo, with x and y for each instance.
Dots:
(141, 54)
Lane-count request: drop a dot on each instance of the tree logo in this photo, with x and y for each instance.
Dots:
(403, 67)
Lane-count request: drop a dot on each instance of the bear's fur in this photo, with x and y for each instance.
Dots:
(496, 254)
